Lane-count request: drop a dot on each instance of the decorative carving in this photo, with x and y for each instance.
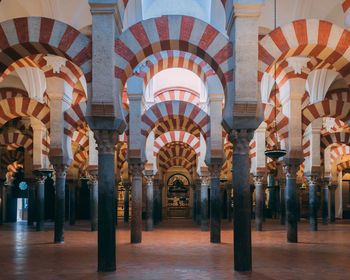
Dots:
(290, 170)
(136, 168)
(240, 140)
(205, 180)
(106, 140)
(149, 180)
(215, 169)
(298, 63)
(56, 62)
(60, 170)
(312, 179)
(258, 179)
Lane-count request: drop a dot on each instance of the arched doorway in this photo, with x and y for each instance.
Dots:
(178, 196)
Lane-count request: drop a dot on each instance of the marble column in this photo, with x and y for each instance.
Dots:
(259, 201)
(325, 194)
(313, 203)
(72, 203)
(290, 168)
(60, 194)
(149, 202)
(282, 201)
(126, 202)
(106, 140)
(204, 203)
(332, 203)
(93, 185)
(242, 200)
(31, 204)
(40, 202)
(136, 168)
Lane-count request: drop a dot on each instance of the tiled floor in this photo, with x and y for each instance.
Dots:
(176, 250)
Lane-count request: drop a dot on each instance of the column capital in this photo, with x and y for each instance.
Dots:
(60, 169)
(290, 167)
(241, 139)
(215, 168)
(136, 167)
(149, 179)
(106, 140)
(205, 180)
(258, 179)
(312, 178)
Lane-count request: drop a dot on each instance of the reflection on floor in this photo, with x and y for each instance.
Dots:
(175, 250)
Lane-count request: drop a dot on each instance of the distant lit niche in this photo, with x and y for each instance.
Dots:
(23, 186)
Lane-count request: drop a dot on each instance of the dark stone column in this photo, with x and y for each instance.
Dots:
(204, 203)
(313, 204)
(325, 200)
(229, 202)
(259, 201)
(72, 203)
(93, 185)
(31, 204)
(282, 183)
(332, 203)
(136, 168)
(290, 168)
(194, 203)
(198, 203)
(126, 202)
(106, 140)
(149, 200)
(2, 201)
(215, 200)
(161, 188)
(60, 195)
(156, 202)
(40, 201)
(242, 200)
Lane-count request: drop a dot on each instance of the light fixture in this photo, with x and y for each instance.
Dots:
(276, 152)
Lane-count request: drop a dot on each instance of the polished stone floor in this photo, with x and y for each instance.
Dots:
(176, 250)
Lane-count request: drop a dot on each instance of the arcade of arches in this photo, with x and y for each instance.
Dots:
(139, 113)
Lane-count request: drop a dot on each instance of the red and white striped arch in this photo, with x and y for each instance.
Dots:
(81, 138)
(14, 140)
(23, 37)
(174, 59)
(177, 150)
(176, 136)
(307, 37)
(11, 157)
(338, 151)
(343, 166)
(177, 93)
(74, 119)
(325, 108)
(163, 111)
(182, 33)
(178, 161)
(22, 106)
(12, 92)
(333, 138)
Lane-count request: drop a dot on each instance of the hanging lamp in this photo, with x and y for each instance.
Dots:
(276, 152)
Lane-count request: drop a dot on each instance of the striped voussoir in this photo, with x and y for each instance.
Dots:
(177, 93)
(343, 165)
(332, 138)
(182, 33)
(81, 138)
(176, 136)
(80, 159)
(23, 37)
(177, 150)
(281, 120)
(22, 106)
(178, 161)
(174, 59)
(180, 110)
(339, 94)
(74, 119)
(12, 92)
(15, 140)
(325, 108)
(309, 38)
(252, 149)
(338, 151)
(122, 156)
(9, 157)
(346, 6)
